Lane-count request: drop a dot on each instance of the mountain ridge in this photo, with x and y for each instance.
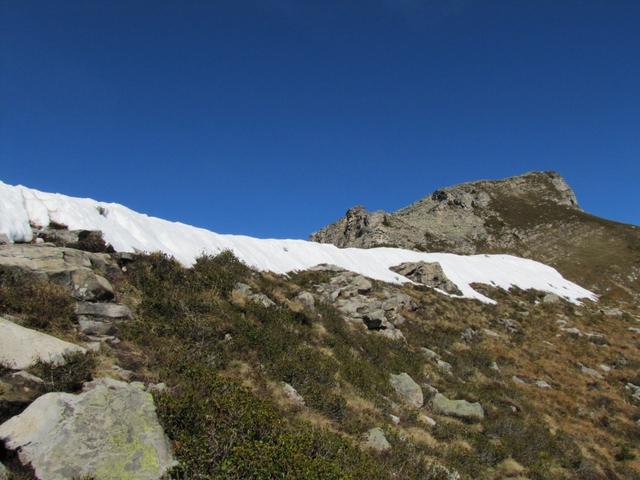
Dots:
(535, 215)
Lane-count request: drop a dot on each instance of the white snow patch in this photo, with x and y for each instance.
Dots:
(129, 231)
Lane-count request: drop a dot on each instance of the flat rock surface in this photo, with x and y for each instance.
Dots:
(21, 347)
(108, 432)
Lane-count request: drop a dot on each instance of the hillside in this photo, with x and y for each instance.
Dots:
(535, 215)
(136, 348)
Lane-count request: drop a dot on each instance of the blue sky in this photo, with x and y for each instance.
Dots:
(272, 117)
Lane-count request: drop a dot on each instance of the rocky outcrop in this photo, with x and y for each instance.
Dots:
(534, 215)
(101, 318)
(81, 272)
(60, 236)
(110, 431)
(21, 347)
(460, 219)
(457, 408)
(428, 274)
(351, 294)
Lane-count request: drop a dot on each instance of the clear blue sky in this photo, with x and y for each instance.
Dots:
(272, 117)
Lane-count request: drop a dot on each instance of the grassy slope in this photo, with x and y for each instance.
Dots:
(592, 251)
(223, 361)
(223, 358)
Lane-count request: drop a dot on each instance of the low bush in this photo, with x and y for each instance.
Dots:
(42, 304)
(68, 376)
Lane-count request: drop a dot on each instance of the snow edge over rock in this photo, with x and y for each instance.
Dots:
(130, 231)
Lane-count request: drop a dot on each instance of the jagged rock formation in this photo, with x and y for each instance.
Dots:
(351, 294)
(535, 215)
(79, 271)
(451, 219)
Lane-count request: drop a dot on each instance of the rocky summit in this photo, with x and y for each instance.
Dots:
(535, 215)
(136, 348)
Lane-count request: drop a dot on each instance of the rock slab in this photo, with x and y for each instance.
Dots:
(110, 432)
(457, 408)
(407, 389)
(21, 348)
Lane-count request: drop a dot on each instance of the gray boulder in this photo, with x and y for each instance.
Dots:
(306, 299)
(590, 372)
(245, 291)
(429, 274)
(86, 285)
(551, 299)
(262, 299)
(292, 394)
(430, 354)
(457, 408)
(444, 366)
(408, 390)
(348, 284)
(4, 240)
(375, 440)
(101, 318)
(110, 431)
(634, 390)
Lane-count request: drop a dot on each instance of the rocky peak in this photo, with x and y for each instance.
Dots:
(540, 186)
(463, 218)
(535, 215)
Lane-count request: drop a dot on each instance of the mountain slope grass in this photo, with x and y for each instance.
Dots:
(223, 362)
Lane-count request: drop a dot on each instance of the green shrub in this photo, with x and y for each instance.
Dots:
(42, 304)
(625, 453)
(221, 430)
(220, 272)
(67, 377)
